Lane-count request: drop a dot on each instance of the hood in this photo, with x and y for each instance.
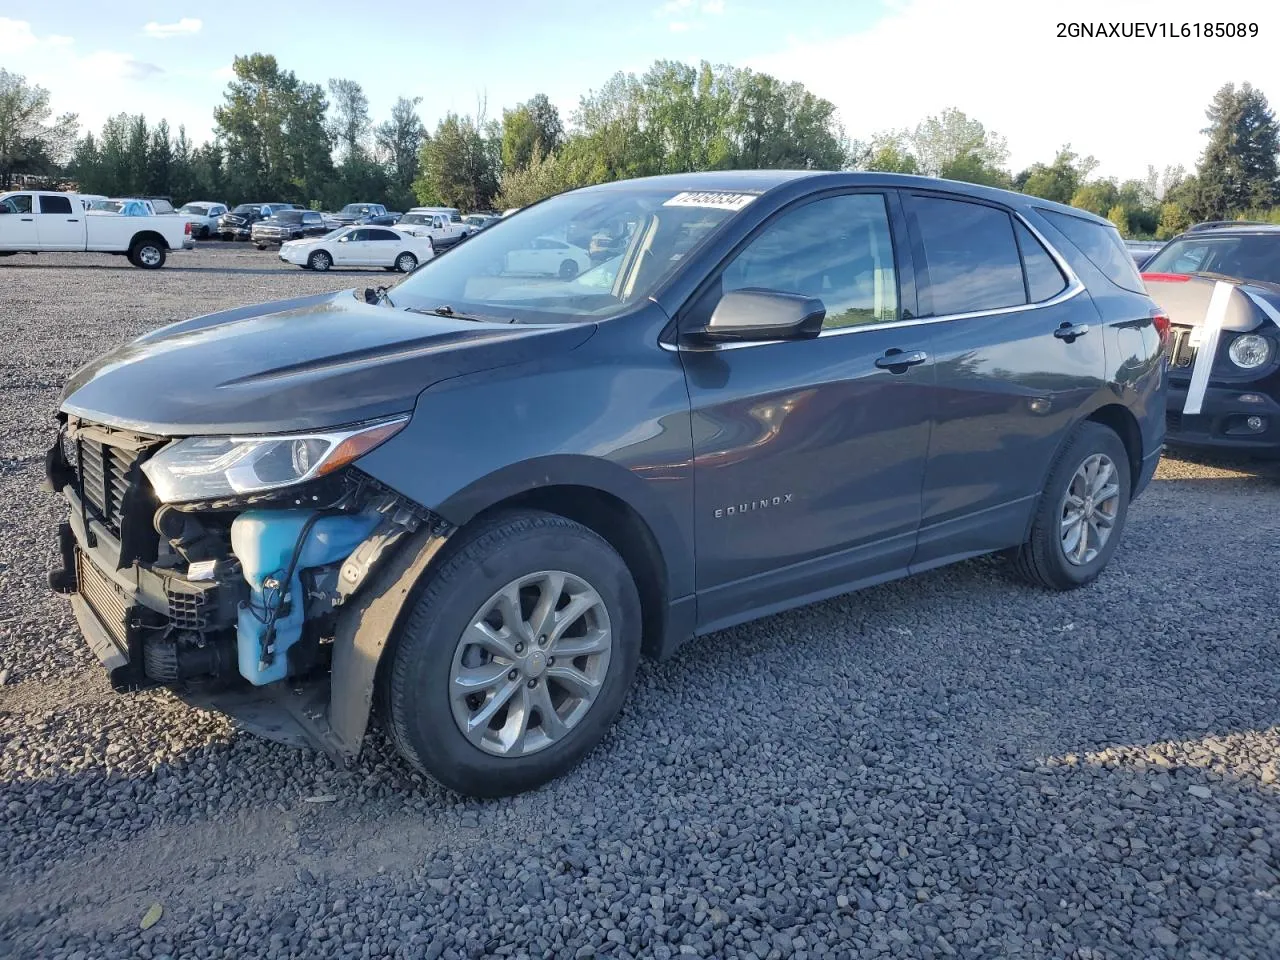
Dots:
(1185, 299)
(293, 365)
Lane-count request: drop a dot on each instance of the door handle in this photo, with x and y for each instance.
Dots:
(73, 221)
(895, 361)
(28, 219)
(1069, 331)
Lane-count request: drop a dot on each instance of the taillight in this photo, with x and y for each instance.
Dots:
(1160, 321)
(1167, 277)
(186, 228)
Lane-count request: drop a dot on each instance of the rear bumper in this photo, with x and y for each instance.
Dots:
(1222, 423)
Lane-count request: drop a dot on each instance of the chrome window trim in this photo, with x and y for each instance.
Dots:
(1073, 288)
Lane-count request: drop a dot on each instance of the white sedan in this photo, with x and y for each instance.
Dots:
(549, 257)
(359, 247)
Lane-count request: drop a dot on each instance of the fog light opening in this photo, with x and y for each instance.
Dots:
(1256, 424)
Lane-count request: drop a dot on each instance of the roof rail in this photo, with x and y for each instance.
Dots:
(1215, 224)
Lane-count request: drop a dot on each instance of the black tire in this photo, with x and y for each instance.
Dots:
(1042, 560)
(261, 246)
(202, 233)
(226, 237)
(568, 269)
(147, 254)
(406, 262)
(320, 261)
(416, 675)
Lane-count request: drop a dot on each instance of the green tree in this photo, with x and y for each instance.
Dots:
(974, 168)
(1173, 220)
(533, 127)
(159, 154)
(1238, 169)
(1096, 196)
(272, 129)
(543, 176)
(349, 117)
(891, 158)
(1059, 180)
(31, 141)
(1120, 218)
(399, 141)
(456, 165)
(954, 140)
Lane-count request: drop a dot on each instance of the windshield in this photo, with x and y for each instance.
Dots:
(357, 208)
(287, 216)
(195, 209)
(412, 218)
(544, 267)
(246, 208)
(1251, 257)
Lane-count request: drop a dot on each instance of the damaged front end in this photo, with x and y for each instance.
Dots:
(260, 577)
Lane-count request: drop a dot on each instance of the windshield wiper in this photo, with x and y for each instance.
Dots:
(447, 311)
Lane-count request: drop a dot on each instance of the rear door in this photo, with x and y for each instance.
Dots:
(383, 247)
(18, 223)
(808, 455)
(58, 224)
(1010, 378)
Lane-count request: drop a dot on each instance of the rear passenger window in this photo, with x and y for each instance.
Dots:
(55, 204)
(1044, 279)
(1102, 245)
(971, 255)
(837, 249)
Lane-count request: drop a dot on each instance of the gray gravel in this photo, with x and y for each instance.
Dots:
(952, 766)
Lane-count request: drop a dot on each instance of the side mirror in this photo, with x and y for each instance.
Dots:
(753, 315)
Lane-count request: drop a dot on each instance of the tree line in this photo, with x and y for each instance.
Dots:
(281, 138)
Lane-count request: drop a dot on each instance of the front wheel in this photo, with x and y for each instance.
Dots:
(406, 262)
(320, 261)
(261, 246)
(1081, 513)
(516, 656)
(568, 270)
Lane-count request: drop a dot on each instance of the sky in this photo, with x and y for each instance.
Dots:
(885, 64)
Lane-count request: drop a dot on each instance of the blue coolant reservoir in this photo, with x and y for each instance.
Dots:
(264, 541)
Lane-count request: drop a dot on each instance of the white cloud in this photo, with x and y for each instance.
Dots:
(713, 7)
(678, 26)
(1129, 102)
(685, 15)
(98, 83)
(224, 73)
(183, 28)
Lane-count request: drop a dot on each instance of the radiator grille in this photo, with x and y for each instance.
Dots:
(1180, 351)
(103, 596)
(103, 473)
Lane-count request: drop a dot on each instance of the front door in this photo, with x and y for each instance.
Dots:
(1010, 379)
(18, 223)
(808, 455)
(58, 225)
(349, 251)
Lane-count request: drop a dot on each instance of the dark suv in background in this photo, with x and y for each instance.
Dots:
(283, 225)
(237, 223)
(476, 498)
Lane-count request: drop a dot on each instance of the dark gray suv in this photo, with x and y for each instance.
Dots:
(473, 500)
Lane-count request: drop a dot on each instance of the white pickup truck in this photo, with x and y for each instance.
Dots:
(38, 221)
(434, 222)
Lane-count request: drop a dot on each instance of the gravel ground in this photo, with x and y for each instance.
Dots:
(952, 766)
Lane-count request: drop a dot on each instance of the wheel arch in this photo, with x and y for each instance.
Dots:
(144, 235)
(1121, 421)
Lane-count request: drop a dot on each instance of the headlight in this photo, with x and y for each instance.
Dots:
(205, 468)
(1249, 351)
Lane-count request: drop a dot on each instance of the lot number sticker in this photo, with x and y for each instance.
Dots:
(712, 199)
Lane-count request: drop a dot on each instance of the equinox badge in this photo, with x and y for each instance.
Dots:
(741, 508)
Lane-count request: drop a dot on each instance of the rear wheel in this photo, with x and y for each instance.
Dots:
(320, 261)
(516, 656)
(406, 262)
(1081, 514)
(568, 270)
(147, 254)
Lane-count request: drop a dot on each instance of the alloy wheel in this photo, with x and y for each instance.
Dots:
(1090, 509)
(531, 664)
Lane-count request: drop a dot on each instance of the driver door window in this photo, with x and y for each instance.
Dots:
(837, 249)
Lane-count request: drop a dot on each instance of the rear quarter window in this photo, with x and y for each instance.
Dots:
(1101, 245)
